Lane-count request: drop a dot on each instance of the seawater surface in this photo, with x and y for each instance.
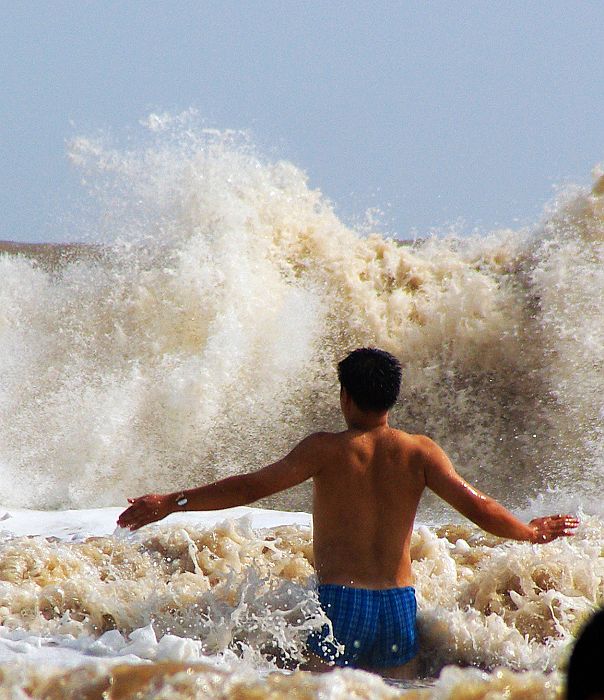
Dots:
(222, 608)
(194, 334)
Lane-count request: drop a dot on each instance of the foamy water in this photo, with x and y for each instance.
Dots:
(198, 338)
(224, 606)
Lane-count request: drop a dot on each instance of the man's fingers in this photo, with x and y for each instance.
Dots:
(135, 518)
(130, 524)
(550, 527)
(568, 524)
(564, 520)
(562, 525)
(130, 517)
(142, 511)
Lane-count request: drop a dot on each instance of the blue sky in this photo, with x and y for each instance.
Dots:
(434, 112)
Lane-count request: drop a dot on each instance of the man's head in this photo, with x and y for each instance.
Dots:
(372, 378)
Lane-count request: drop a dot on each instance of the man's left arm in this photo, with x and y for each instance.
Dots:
(483, 510)
(298, 466)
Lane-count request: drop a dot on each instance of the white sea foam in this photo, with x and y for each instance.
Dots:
(225, 598)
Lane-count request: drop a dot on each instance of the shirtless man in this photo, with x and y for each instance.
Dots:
(368, 481)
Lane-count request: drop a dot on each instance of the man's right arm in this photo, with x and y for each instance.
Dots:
(300, 464)
(484, 511)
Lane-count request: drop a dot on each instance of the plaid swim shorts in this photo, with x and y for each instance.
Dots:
(376, 627)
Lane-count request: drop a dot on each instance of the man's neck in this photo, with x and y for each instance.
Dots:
(366, 420)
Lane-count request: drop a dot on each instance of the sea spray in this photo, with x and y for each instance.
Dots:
(201, 338)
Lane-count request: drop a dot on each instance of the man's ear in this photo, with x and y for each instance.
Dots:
(344, 397)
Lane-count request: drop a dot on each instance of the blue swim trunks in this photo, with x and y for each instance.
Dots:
(376, 627)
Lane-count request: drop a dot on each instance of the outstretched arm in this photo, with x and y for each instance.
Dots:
(483, 510)
(300, 464)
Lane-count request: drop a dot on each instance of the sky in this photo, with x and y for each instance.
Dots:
(463, 115)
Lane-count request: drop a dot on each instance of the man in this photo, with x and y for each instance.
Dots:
(368, 481)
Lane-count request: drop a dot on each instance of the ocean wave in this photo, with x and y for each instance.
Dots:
(198, 336)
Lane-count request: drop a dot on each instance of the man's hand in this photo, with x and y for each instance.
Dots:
(551, 527)
(146, 509)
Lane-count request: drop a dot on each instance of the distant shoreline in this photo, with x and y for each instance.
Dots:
(51, 255)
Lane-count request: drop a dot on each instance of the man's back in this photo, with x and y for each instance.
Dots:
(366, 490)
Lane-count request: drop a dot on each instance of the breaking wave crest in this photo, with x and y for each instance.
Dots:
(198, 336)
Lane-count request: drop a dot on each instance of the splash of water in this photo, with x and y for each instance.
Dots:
(232, 604)
(200, 338)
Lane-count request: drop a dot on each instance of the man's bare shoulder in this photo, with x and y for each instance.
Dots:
(416, 442)
(320, 449)
(318, 441)
(419, 449)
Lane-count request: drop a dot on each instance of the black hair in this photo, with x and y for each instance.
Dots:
(585, 679)
(371, 377)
